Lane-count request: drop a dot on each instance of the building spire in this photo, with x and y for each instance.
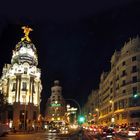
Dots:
(26, 32)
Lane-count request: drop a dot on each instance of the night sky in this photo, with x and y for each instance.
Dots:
(75, 39)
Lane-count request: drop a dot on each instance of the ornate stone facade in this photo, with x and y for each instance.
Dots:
(20, 83)
(119, 89)
(56, 107)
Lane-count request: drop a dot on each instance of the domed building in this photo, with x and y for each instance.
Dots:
(21, 84)
(56, 106)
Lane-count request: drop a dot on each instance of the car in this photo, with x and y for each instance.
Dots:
(108, 133)
(64, 130)
(54, 130)
(131, 131)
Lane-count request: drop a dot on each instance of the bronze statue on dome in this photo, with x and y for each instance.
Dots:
(27, 30)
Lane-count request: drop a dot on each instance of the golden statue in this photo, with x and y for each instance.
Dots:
(26, 32)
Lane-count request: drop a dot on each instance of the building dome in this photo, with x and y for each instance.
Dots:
(25, 52)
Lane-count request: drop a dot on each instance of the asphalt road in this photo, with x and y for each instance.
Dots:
(91, 136)
(46, 136)
(38, 136)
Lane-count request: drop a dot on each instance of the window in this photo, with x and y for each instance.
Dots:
(134, 89)
(58, 91)
(34, 115)
(25, 70)
(59, 98)
(124, 91)
(117, 77)
(134, 58)
(14, 87)
(123, 83)
(123, 63)
(115, 106)
(123, 73)
(134, 79)
(33, 88)
(24, 86)
(134, 69)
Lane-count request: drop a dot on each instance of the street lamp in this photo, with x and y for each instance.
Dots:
(97, 110)
(112, 110)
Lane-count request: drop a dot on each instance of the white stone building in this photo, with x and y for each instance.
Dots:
(20, 83)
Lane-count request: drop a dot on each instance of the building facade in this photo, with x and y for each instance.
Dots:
(20, 83)
(56, 107)
(119, 89)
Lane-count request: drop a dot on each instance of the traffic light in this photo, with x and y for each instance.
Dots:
(135, 95)
(81, 119)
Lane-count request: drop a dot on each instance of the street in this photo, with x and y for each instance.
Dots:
(47, 136)
(38, 136)
(92, 136)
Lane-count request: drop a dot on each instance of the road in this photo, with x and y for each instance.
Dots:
(46, 136)
(38, 136)
(91, 136)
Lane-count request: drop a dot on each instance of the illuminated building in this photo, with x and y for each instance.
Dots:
(56, 106)
(71, 114)
(119, 89)
(20, 83)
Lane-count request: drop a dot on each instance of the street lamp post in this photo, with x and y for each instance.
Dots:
(97, 110)
(112, 110)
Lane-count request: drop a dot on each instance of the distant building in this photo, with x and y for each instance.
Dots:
(56, 107)
(20, 83)
(71, 117)
(119, 89)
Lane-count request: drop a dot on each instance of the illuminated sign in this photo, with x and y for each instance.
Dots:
(55, 105)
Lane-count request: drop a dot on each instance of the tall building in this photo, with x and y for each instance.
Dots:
(56, 107)
(119, 89)
(20, 83)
